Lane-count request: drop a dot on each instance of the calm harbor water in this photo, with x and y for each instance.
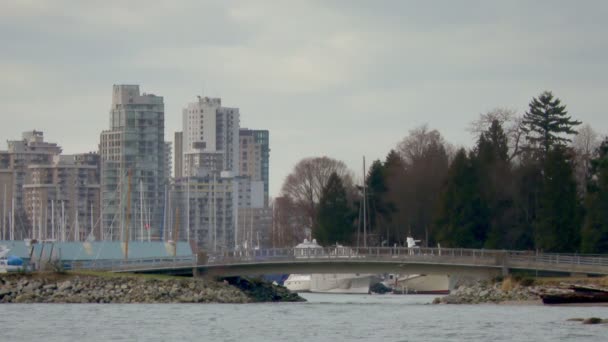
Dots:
(323, 318)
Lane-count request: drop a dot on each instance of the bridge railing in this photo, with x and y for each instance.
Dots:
(127, 264)
(555, 258)
(498, 257)
(371, 253)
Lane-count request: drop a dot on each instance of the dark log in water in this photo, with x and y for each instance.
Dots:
(580, 294)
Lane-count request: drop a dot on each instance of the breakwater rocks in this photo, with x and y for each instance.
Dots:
(262, 291)
(484, 292)
(51, 288)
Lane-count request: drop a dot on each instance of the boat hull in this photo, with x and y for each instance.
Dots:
(422, 284)
(340, 283)
(298, 283)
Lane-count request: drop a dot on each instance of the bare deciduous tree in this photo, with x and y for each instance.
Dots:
(416, 145)
(511, 124)
(585, 145)
(307, 180)
(287, 225)
(425, 158)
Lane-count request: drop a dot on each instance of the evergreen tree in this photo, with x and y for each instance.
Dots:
(496, 181)
(595, 229)
(546, 122)
(395, 219)
(335, 223)
(376, 193)
(557, 223)
(527, 179)
(462, 215)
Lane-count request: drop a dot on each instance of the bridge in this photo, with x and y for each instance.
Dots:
(478, 263)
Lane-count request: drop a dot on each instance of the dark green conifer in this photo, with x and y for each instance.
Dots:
(595, 228)
(335, 223)
(545, 124)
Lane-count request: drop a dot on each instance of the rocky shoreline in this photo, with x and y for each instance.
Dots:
(513, 290)
(78, 288)
(496, 293)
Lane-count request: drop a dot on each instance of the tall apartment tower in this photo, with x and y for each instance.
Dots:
(133, 166)
(14, 174)
(210, 138)
(62, 198)
(255, 156)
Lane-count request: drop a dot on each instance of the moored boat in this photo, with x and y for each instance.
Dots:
(418, 284)
(577, 295)
(298, 282)
(9, 263)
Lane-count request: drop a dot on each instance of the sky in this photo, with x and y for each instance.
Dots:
(343, 79)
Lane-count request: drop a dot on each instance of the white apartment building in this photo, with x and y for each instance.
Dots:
(210, 138)
(133, 166)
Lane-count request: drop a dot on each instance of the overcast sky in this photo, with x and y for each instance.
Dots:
(337, 78)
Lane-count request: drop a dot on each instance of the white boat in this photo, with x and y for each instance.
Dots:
(9, 263)
(326, 283)
(341, 283)
(418, 283)
(298, 282)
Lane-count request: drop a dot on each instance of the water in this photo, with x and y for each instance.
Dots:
(323, 318)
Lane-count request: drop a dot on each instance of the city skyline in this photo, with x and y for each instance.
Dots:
(363, 70)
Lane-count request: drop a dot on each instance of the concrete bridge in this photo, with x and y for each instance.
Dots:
(477, 263)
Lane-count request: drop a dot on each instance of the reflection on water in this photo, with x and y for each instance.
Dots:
(326, 317)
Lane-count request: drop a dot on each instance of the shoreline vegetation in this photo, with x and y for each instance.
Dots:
(514, 290)
(102, 287)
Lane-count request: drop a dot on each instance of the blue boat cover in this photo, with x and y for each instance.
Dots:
(14, 260)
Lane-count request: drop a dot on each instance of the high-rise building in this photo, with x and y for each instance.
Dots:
(14, 164)
(203, 210)
(255, 156)
(254, 217)
(62, 198)
(178, 154)
(133, 162)
(210, 138)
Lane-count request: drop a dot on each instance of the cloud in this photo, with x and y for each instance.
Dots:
(336, 78)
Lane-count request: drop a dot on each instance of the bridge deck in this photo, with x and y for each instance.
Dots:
(292, 260)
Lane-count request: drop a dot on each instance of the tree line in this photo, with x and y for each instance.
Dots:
(538, 181)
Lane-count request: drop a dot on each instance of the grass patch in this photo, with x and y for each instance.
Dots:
(105, 274)
(507, 284)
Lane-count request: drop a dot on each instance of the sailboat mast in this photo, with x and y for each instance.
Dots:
(176, 227)
(364, 206)
(141, 210)
(92, 223)
(4, 215)
(63, 221)
(188, 209)
(13, 218)
(164, 215)
(128, 215)
(46, 222)
(53, 219)
(33, 232)
(76, 226)
(214, 218)
(148, 222)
